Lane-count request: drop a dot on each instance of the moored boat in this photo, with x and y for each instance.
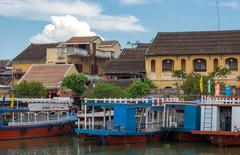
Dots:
(22, 123)
(220, 121)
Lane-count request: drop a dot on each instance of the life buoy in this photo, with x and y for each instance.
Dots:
(23, 131)
(50, 127)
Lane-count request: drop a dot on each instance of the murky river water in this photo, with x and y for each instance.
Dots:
(72, 145)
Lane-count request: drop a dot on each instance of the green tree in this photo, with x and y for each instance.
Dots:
(30, 90)
(179, 74)
(191, 86)
(75, 82)
(222, 73)
(139, 88)
(106, 90)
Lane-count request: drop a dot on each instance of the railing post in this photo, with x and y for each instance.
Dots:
(13, 118)
(21, 118)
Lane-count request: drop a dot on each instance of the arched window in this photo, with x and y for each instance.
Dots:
(231, 63)
(215, 64)
(153, 66)
(199, 65)
(167, 65)
(183, 65)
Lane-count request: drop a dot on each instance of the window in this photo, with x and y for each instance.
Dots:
(199, 65)
(153, 66)
(167, 65)
(82, 46)
(79, 67)
(215, 64)
(232, 63)
(183, 65)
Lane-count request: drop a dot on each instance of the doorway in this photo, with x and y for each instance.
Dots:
(225, 118)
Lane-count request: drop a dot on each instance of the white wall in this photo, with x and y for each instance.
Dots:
(214, 118)
(235, 117)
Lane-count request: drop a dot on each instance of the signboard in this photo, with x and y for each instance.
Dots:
(47, 106)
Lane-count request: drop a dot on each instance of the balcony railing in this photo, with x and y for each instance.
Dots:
(103, 54)
(68, 51)
(73, 51)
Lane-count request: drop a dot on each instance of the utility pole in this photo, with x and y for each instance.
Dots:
(218, 15)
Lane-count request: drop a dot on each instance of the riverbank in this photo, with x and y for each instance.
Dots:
(72, 145)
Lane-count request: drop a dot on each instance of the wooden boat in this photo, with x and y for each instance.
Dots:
(22, 123)
(220, 120)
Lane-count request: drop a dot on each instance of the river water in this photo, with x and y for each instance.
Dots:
(72, 145)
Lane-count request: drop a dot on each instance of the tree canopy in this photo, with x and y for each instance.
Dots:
(106, 90)
(139, 88)
(75, 82)
(30, 90)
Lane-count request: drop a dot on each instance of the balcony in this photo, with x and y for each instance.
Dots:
(102, 54)
(72, 51)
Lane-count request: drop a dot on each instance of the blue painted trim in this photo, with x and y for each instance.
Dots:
(111, 133)
(34, 126)
(3, 110)
(176, 129)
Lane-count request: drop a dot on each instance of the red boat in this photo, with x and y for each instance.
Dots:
(35, 121)
(221, 138)
(220, 122)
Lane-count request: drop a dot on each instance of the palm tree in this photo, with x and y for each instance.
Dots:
(222, 73)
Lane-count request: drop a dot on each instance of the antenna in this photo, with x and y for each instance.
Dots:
(218, 15)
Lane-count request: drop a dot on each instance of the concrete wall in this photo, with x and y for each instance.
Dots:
(235, 117)
(215, 126)
(164, 79)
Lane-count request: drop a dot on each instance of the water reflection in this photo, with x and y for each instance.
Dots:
(72, 145)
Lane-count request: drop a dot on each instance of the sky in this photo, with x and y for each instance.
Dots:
(43, 21)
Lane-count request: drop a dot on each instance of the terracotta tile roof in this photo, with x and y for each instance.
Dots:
(131, 61)
(133, 53)
(84, 39)
(35, 52)
(143, 45)
(108, 43)
(48, 75)
(5, 63)
(205, 42)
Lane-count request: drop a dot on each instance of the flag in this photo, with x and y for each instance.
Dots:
(3, 100)
(201, 84)
(228, 90)
(12, 101)
(217, 89)
(209, 86)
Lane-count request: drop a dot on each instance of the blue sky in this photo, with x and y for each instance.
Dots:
(25, 21)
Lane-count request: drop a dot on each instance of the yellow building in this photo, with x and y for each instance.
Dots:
(33, 54)
(89, 53)
(198, 52)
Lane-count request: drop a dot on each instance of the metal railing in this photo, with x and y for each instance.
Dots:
(220, 100)
(73, 51)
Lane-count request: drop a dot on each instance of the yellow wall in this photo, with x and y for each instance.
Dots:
(163, 79)
(84, 61)
(53, 57)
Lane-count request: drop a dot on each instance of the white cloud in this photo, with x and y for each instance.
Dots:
(61, 29)
(138, 2)
(111, 23)
(232, 4)
(83, 10)
(40, 9)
